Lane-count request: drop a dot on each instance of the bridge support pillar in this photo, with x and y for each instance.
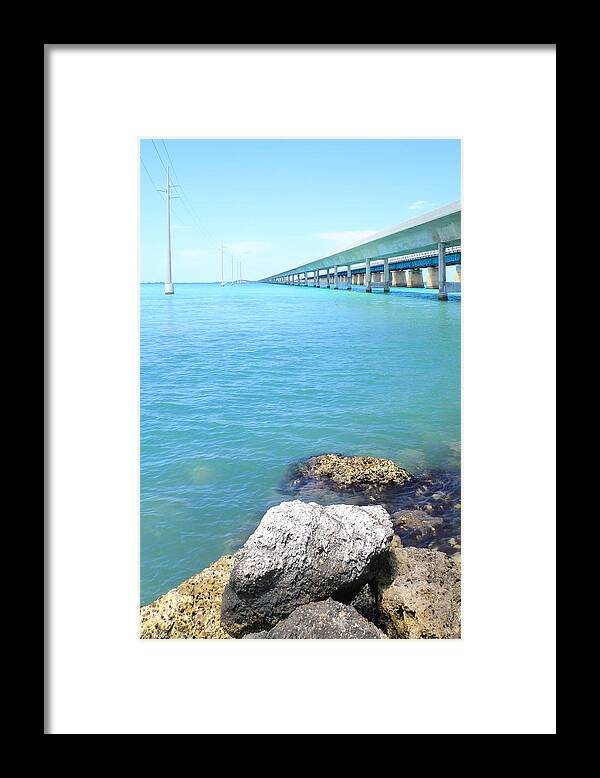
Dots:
(432, 278)
(442, 290)
(386, 276)
(336, 278)
(398, 278)
(457, 268)
(368, 276)
(414, 278)
(349, 279)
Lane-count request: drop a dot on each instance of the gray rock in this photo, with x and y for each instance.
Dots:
(302, 553)
(327, 619)
(418, 593)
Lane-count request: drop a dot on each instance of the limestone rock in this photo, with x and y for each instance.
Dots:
(327, 619)
(355, 472)
(192, 609)
(418, 593)
(301, 553)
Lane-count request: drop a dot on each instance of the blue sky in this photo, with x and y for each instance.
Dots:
(279, 203)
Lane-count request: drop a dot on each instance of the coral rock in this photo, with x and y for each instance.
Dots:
(355, 472)
(192, 609)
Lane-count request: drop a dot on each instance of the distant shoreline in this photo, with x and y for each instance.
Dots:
(205, 283)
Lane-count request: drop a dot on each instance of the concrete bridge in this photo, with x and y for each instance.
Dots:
(393, 257)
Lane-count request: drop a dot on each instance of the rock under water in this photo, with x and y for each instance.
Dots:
(432, 495)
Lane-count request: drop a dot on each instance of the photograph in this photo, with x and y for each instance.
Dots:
(300, 388)
(273, 409)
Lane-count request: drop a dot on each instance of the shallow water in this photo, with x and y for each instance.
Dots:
(240, 382)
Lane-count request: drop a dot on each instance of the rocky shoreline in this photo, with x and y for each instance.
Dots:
(313, 571)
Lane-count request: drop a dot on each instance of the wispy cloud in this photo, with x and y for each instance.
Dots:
(417, 205)
(191, 253)
(347, 236)
(249, 246)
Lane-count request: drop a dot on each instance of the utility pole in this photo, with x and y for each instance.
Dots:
(168, 280)
(232, 268)
(222, 276)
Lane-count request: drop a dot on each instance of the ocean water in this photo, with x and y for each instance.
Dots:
(240, 382)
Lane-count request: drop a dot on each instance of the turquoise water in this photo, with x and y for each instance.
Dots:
(238, 383)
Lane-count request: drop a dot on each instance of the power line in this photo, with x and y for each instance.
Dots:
(204, 234)
(158, 155)
(196, 222)
(168, 277)
(159, 192)
(170, 160)
(184, 197)
(149, 176)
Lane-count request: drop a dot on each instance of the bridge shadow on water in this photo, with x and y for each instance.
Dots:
(427, 295)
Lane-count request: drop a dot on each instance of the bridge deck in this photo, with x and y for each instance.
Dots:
(421, 234)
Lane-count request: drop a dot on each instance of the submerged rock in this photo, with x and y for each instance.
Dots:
(327, 619)
(355, 472)
(418, 593)
(302, 553)
(416, 524)
(192, 609)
